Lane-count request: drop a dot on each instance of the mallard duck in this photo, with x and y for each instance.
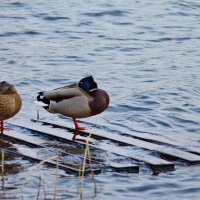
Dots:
(79, 100)
(10, 102)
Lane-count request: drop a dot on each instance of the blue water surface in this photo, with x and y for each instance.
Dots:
(145, 54)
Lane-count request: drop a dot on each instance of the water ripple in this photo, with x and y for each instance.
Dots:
(11, 34)
(55, 18)
(116, 13)
(181, 120)
(17, 4)
(8, 34)
(175, 109)
(123, 23)
(166, 39)
(47, 17)
(12, 17)
(145, 54)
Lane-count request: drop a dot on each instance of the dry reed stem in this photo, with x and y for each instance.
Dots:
(43, 189)
(41, 184)
(93, 179)
(79, 178)
(32, 168)
(38, 193)
(38, 114)
(2, 165)
(42, 162)
(56, 178)
(82, 170)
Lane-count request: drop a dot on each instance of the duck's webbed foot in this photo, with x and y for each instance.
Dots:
(77, 127)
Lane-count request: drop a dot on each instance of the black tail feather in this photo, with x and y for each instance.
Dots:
(42, 98)
(39, 96)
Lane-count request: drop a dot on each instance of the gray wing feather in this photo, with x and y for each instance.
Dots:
(63, 93)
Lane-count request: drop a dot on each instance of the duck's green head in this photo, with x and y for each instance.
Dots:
(87, 84)
(6, 88)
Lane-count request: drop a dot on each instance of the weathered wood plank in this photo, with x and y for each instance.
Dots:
(171, 151)
(124, 167)
(34, 158)
(153, 161)
(39, 143)
(152, 138)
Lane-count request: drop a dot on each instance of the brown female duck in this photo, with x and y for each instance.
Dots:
(78, 100)
(10, 102)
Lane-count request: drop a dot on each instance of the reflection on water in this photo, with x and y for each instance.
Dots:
(145, 54)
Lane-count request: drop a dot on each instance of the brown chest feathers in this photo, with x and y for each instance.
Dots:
(99, 102)
(10, 104)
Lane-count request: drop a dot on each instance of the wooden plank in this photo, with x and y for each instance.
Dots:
(154, 162)
(124, 167)
(152, 138)
(23, 138)
(34, 158)
(39, 143)
(171, 151)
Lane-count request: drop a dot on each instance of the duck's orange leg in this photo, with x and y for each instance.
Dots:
(2, 128)
(79, 128)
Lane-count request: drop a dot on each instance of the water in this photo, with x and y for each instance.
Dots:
(144, 53)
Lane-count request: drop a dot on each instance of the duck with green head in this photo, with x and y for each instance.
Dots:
(79, 100)
(10, 102)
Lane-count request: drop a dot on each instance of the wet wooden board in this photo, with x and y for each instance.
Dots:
(152, 138)
(34, 158)
(123, 167)
(39, 143)
(154, 162)
(171, 151)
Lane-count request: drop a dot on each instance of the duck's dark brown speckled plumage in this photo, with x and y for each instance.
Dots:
(10, 101)
(10, 104)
